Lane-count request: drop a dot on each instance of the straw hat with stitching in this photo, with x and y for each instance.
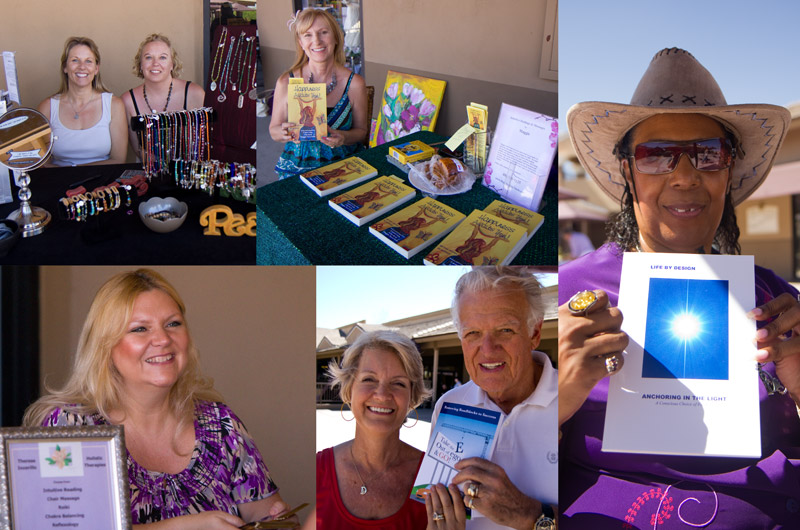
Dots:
(676, 83)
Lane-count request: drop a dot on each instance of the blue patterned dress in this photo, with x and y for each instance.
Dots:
(226, 468)
(300, 157)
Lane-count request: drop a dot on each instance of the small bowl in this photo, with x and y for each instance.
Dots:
(156, 205)
(8, 242)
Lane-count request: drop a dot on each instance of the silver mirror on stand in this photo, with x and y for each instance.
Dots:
(26, 140)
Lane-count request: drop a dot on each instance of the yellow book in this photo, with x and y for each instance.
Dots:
(366, 202)
(307, 110)
(477, 117)
(518, 215)
(416, 227)
(411, 152)
(337, 176)
(481, 239)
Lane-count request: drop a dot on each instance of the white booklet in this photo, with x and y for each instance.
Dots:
(689, 384)
(521, 155)
(461, 431)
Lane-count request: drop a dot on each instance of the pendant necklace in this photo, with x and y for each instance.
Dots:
(253, 92)
(77, 112)
(242, 79)
(169, 95)
(216, 66)
(236, 66)
(224, 82)
(363, 484)
(331, 85)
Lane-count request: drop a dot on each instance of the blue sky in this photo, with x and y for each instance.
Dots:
(750, 47)
(348, 294)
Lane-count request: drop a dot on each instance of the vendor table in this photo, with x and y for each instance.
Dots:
(297, 227)
(66, 242)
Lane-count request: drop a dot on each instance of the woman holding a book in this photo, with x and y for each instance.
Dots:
(319, 42)
(191, 462)
(679, 159)
(366, 482)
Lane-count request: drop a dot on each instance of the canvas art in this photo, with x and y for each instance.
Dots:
(410, 104)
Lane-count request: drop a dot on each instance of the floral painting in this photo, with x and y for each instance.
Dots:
(410, 104)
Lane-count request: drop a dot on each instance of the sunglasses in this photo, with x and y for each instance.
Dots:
(658, 158)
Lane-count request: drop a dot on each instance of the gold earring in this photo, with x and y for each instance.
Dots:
(341, 411)
(415, 423)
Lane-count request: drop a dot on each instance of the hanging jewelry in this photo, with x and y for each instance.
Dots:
(236, 64)
(331, 85)
(355, 465)
(169, 95)
(217, 64)
(221, 98)
(253, 92)
(247, 56)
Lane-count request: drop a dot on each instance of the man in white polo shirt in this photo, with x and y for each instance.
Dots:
(498, 314)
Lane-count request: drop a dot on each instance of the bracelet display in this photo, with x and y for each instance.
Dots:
(81, 206)
(209, 175)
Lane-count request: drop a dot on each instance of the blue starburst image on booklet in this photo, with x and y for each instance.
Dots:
(687, 329)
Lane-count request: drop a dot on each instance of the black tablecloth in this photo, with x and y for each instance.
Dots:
(297, 227)
(66, 242)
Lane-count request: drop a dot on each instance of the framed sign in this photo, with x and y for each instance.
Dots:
(64, 477)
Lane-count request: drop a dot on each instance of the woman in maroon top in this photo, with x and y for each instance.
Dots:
(679, 159)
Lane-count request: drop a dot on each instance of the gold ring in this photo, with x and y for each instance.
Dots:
(472, 490)
(581, 302)
(438, 516)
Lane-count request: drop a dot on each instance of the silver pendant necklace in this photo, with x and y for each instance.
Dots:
(363, 484)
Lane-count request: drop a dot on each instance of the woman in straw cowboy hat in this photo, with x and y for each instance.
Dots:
(679, 159)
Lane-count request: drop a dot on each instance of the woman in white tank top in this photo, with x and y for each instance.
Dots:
(87, 120)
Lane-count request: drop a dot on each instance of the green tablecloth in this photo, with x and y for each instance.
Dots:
(297, 227)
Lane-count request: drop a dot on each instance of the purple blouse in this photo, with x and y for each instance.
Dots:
(226, 468)
(601, 490)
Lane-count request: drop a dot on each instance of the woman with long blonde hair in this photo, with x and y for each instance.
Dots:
(191, 462)
(319, 43)
(87, 119)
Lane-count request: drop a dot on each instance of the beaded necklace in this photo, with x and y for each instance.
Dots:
(236, 65)
(169, 95)
(253, 92)
(221, 98)
(217, 64)
(247, 57)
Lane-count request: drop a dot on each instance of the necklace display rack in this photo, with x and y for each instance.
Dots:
(168, 136)
(231, 89)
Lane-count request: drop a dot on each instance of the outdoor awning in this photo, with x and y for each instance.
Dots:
(566, 193)
(784, 179)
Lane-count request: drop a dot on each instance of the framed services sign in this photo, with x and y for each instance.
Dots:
(64, 477)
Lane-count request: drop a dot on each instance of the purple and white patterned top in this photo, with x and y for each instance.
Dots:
(226, 468)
